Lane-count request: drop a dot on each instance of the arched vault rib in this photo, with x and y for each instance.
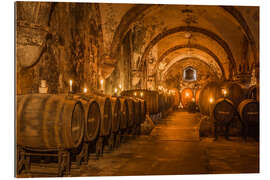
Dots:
(194, 46)
(182, 58)
(241, 20)
(139, 11)
(208, 33)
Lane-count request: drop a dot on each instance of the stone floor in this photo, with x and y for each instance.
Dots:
(174, 147)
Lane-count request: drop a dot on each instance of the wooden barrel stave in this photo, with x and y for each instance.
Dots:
(116, 114)
(124, 113)
(131, 112)
(106, 114)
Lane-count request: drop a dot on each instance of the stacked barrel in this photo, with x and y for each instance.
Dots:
(231, 103)
(156, 103)
(70, 127)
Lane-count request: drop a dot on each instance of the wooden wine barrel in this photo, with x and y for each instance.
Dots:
(252, 92)
(235, 92)
(116, 111)
(92, 116)
(197, 95)
(211, 90)
(124, 113)
(131, 112)
(151, 98)
(249, 111)
(106, 114)
(186, 97)
(47, 122)
(223, 110)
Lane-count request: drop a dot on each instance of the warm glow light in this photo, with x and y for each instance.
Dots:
(135, 94)
(193, 99)
(85, 90)
(211, 100)
(70, 85)
(141, 94)
(101, 81)
(120, 86)
(187, 94)
(224, 91)
(115, 90)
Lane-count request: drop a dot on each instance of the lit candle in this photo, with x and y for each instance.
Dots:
(187, 94)
(141, 94)
(211, 100)
(224, 91)
(120, 86)
(115, 90)
(85, 90)
(135, 94)
(70, 85)
(101, 84)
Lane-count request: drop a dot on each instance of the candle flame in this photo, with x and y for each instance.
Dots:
(211, 100)
(85, 90)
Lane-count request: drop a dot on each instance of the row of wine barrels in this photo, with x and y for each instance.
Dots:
(47, 122)
(151, 98)
(235, 92)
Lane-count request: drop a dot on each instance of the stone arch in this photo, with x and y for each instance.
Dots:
(139, 11)
(208, 33)
(164, 72)
(193, 46)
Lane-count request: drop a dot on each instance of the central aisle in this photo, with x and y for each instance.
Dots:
(172, 148)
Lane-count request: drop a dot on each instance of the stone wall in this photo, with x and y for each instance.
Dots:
(57, 42)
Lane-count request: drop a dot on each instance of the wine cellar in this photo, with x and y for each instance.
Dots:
(107, 89)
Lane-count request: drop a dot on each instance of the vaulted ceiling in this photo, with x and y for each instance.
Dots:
(222, 37)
